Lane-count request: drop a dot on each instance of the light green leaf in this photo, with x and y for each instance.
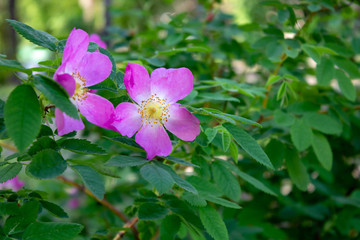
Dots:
(226, 181)
(158, 177)
(325, 71)
(56, 94)
(152, 211)
(93, 180)
(234, 151)
(81, 146)
(301, 134)
(126, 161)
(213, 223)
(248, 144)
(348, 66)
(311, 51)
(273, 79)
(9, 171)
(346, 85)
(52, 231)
(35, 36)
(6, 64)
(47, 163)
(211, 133)
(22, 116)
(283, 119)
(323, 123)
(322, 150)
(297, 170)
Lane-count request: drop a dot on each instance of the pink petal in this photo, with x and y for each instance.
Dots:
(96, 39)
(14, 184)
(173, 84)
(94, 68)
(97, 110)
(154, 140)
(127, 120)
(67, 81)
(182, 123)
(66, 124)
(75, 48)
(137, 82)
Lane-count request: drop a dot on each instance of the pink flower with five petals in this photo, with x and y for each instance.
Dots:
(80, 69)
(156, 108)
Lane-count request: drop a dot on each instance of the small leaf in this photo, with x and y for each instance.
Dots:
(301, 135)
(152, 211)
(213, 223)
(47, 163)
(81, 146)
(322, 150)
(325, 71)
(157, 62)
(9, 171)
(22, 116)
(54, 209)
(283, 119)
(211, 133)
(35, 36)
(180, 161)
(273, 79)
(226, 140)
(346, 86)
(323, 123)
(248, 144)
(93, 180)
(158, 177)
(297, 170)
(311, 51)
(226, 181)
(126, 161)
(170, 225)
(6, 64)
(53, 91)
(52, 231)
(234, 151)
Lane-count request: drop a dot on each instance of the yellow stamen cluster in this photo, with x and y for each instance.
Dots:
(80, 90)
(154, 110)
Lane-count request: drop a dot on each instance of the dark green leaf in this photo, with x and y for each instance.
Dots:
(283, 119)
(9, 208)
(297, 170)
(276, 152)
(325, 71)
(126, 143)
(346, 85)
(248, 144)
(52, 231)
(6, 64)
(35, 36)
(22, 116)
(180, 161)
(152, 211)
(56, 94)
(322, 150)
(126, 161)
(194, 200)
(9, 171)
(226, 181)
(54, 209)
(301, 134)
(213, 223)
(311, 51)
(221, 201)
(41, 144)
(26, 215)
(92, 179)
(80, 146)
(47, 163)
(170, 225)
(158, 177)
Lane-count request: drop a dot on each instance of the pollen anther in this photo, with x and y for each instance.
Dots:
(154, 110)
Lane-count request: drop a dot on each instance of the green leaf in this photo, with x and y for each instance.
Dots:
(158, 177)
(346, 86)
(273, 79)
(152, 211)
(325, 71)
(157, 62)
(323, 123)
(311, 51)
(22, 116)
(276, 152)
(301, 134)
(211, 133)
(226, 140)
(41, 144)
(248, 144)
(180, 161)
(170, 225)
(26, 215)
(126, 143)
(234, 151)
(47, 163)
(93, 180)
(194, 200)
(107, 84)
(282, 90)
(221, 201)
(9, 171)
(6, 64)
(226, 181)
(213, 223)
(53, 91)
(283, 119)
(9, 208)
(35, 36)
(54, 209)
(322, 150)
(297, 170)
(204, 187)
(348, 66)
(126, 161)
(52, 231)
(81, 146)
(218, 97)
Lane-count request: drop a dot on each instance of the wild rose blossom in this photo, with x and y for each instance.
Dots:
(14, 184)
(156, 108)
(96, 39)
(80, 69)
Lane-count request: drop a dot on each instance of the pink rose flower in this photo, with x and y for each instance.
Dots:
(14, 184)
(156, 108)
(96, 39)
(80, 69)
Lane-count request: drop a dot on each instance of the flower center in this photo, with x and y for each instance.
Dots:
(154, 110)
(80, 89)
